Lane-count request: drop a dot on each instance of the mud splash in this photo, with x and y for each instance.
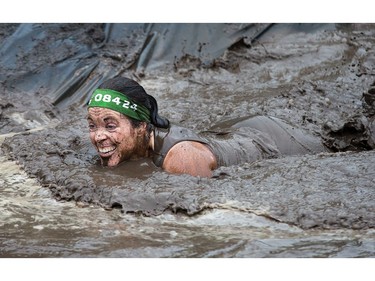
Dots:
(321, 80)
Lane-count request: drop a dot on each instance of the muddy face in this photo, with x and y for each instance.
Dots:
(114, 136)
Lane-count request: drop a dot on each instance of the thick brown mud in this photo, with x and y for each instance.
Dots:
(321, 80)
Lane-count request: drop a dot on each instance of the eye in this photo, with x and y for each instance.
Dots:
(111, 126)
(92, 127)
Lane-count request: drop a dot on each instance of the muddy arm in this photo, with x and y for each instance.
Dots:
(189, 157)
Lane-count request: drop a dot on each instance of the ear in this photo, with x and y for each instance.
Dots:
(141, 130)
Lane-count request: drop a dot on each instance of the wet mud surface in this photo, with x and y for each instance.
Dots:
(317, 77)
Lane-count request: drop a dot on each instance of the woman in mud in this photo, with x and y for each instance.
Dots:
(125, 125)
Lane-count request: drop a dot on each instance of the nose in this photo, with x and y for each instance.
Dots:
(100, 135)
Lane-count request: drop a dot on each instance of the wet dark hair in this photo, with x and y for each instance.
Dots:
(137, 93)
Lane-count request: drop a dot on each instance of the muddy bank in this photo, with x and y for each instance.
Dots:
(320, 79)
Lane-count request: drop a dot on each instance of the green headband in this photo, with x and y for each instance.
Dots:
(119, 102)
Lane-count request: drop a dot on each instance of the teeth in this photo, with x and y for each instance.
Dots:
(107, 149)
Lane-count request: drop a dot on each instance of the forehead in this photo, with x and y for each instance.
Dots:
(99, 112)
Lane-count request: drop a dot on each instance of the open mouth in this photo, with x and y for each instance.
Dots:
(106, 151)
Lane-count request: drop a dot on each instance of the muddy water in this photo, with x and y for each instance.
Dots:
(57, 201)
(36, 225)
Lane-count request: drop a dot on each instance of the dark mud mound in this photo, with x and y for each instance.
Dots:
(354, 132)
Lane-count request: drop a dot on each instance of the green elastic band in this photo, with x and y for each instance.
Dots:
(119, 102)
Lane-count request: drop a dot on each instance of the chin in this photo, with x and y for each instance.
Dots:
(110, 162)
